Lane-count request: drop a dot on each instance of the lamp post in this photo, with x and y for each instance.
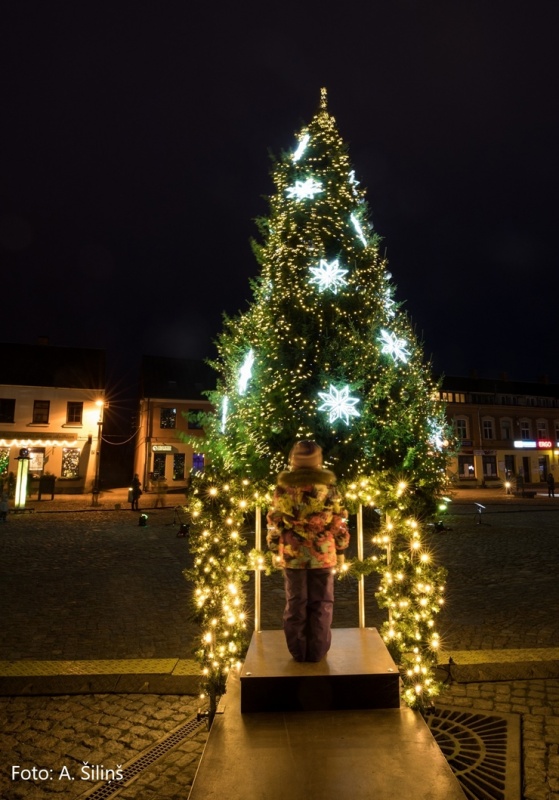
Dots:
(96, 488)
(21, 482)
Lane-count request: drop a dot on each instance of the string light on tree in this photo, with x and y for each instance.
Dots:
(394, 346)
(245, 373)
(329, 275)
(358, 229)
(224, 409)
(301, 148)
(339, 404)
(303, 190)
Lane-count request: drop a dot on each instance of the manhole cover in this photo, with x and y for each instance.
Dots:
(483, 751)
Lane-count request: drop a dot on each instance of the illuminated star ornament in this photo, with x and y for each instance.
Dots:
(328, 275)
(394, 346)
(339, 404)
(304, 189)
(245, 373)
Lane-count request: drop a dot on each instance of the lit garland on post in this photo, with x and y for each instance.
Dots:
(324, 351)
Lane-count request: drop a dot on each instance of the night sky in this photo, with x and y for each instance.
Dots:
(135, 157)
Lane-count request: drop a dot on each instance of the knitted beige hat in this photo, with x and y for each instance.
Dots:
(305, 454)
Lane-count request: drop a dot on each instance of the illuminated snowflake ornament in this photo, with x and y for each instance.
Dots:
(304, 189)
(245, 373)
(394, 346)
(328, 275)
(339, 404)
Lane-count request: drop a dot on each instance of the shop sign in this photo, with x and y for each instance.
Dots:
(526, 444)
(162, 448)
(545, 444)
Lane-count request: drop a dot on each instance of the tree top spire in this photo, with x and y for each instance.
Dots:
(323, 99)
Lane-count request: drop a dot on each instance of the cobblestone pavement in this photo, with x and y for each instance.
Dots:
(95, 585)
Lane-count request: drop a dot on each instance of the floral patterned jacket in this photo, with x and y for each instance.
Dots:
(307, 525)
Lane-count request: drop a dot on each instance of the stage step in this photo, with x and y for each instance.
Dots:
(385, 754)
(357, 673)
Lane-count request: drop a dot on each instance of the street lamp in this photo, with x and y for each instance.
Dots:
(96, 488)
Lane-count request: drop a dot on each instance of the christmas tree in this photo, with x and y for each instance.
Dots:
(325, 352)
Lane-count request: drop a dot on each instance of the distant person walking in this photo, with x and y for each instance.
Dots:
(135, 492)
(550, 485)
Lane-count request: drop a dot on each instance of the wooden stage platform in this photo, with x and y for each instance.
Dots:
(320, 749)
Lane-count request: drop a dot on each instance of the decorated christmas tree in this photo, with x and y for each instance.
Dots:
(326, 352)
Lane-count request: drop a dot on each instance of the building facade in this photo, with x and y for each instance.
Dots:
(505, 429)
(52, 401)
(171, 394)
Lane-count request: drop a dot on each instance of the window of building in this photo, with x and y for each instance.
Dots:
(159, 465)
(459, 397)
(506, 428)
(7, 410)
(36, 461)
(510, 469)
(557, 432)
(178, 467)
(466, 467)
(525, 429)
(168, 418)
(4, 459)
(41, 410)
(74, 413)
(70, 462)
(488, 428)
(198, 462)
(490, 466)
(461, 427)
(193, 423)
(447, 397)
(541, 428)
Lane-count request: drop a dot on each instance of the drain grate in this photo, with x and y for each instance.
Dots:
(133, 768)
(482, 751)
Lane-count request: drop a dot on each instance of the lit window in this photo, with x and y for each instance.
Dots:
(178, 467)
(70, 462)
(168, 418)
(198, 462)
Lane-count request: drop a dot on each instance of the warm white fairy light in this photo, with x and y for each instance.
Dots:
(245, 372)
(301, 147)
